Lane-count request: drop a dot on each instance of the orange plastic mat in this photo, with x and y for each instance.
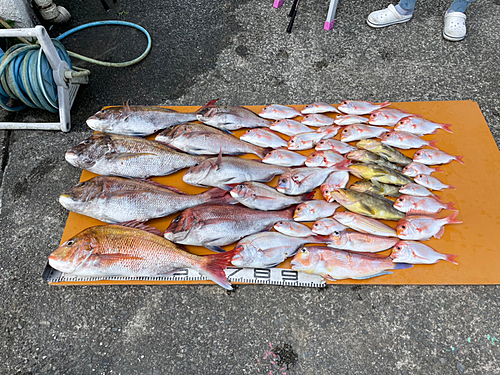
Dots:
(476, 241)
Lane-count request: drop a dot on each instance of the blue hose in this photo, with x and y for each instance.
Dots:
(26, 75)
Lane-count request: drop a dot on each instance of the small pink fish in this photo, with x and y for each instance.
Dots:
(314, 210)
(334, 145)
(413, 252)
(327, 159)
(317, 120)
(364, 224)
(289, 127)
(361, 242)
(421, 126)
(328, 131)
(350, 120)
(422, 205)
(284, 158)
(416, 190)
(294, 229)
(406, 140)
(358, 132)
(431, 182)
(335, 264)
(327, 226)
(304, 141)
(388, 116)
(278, 112)
(434, 157)
(414, 169)
(337, 180)
(263, 138)
(424, 227)
(353, 107)
(319, 107)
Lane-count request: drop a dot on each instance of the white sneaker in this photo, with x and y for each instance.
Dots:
(454, 26)
(386, 17)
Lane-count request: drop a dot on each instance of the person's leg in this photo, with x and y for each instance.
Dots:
(460, 5)
(392, 14)
(454, 20)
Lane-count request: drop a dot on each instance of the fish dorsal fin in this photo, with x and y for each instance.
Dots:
(140, 225)
(126, 107)
(218, 163)
(210, 104)
(172, 188)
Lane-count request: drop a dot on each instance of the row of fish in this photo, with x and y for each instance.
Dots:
(385, 172)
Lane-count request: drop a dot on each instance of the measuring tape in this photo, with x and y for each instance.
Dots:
(271, 276)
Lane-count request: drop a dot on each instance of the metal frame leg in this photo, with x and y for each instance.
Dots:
(330, 18)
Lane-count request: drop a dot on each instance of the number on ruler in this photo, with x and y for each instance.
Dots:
(289, 275)
(262, 273)
(235, 272)
(181, 272)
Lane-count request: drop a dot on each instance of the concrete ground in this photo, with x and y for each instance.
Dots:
(238, 51)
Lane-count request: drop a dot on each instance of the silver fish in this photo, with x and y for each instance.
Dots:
(216, 225)
(284, 158)
(319, 107)
(126, 156)
(198, 140)
(268, 249)
(222, 171)
(232, 118)
(117, 199)
(263, 197)
(138, 119)
(302, 180)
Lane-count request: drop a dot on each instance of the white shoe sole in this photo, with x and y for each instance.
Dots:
(453, 38)
(379, 25)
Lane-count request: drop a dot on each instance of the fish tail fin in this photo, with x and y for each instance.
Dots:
(432, 144)
(320, 239)
(307, 196)
(343, 165)
(452, 219)
(450, 206)
(446, 127)
(438, 169)
(261, 152)
(460, 159)
(289, 213)
(217, 195)
(402, 266)
(210, 104)
(452, 187)
(213, 267)
(451, 258)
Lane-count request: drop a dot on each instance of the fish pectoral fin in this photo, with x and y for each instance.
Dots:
(367, 208)
(269, 251)
(375, 275)
(127, 156)
(118, 256)
(217, 249)
(329, 277)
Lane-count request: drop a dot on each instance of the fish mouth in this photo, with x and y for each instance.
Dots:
(94, 123)
(66, 201)
(296, 265)
(60, 265)
(71, 157)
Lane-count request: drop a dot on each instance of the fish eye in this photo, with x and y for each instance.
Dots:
(176, 219)
(298, 208)
(400, 199)
(344, 102)
(83, 183)
(304, 250)
(327, 191)
(86, 142)
(70, 242)
(404, 226)
(418, 153)
(336, 233)
(398, 247)
(283, 180)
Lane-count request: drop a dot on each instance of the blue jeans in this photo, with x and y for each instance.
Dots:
(457, 6)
